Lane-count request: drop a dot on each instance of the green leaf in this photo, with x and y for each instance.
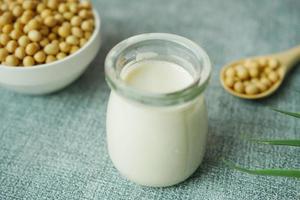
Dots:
(293, 114)
(266, 172)
(295, 143)
(289, 142)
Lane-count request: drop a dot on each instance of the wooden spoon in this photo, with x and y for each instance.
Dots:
(287, 61)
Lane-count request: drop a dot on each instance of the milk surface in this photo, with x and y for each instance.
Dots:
(157, 76)
(156, 145)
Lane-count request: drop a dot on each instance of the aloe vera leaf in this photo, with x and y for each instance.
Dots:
(266, 172)
(293, 114)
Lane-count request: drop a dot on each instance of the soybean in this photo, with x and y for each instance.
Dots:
(253, 76)
(37, 32)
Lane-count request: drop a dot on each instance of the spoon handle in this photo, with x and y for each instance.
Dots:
(290, 57)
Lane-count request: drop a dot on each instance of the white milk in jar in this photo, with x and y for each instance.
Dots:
(156, 116)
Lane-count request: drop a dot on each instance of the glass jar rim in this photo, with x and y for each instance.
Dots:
(159, 99)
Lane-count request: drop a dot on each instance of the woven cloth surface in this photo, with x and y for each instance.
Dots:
(54, 146)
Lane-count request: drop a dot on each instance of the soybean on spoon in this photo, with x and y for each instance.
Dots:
(264, 74)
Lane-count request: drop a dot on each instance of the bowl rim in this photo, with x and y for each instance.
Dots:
(47, 65)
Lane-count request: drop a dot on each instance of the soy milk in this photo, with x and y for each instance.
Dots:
(156, 145)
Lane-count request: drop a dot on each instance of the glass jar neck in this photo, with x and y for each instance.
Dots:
(164, 47)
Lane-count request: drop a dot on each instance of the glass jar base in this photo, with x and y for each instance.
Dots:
(164, 183)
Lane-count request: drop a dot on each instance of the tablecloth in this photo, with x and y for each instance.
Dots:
(54, 146)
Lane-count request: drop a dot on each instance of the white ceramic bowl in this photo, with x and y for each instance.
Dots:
(47, 78)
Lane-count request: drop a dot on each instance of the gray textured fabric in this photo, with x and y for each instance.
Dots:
(53, 146)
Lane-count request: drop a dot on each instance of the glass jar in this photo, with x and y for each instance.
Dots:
(157, 139)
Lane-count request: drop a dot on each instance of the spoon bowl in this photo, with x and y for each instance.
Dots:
(286, 61)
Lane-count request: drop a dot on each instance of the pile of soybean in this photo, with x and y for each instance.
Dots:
(34, 32)
(253, 76)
